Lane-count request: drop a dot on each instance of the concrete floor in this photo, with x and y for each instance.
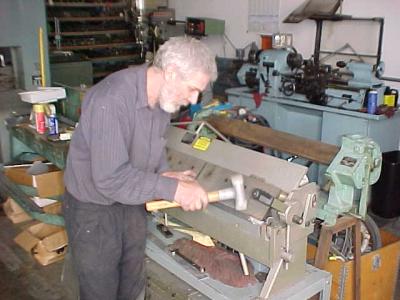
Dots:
(21, 277)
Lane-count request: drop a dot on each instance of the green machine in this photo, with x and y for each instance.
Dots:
(351, 171)
(355, 168)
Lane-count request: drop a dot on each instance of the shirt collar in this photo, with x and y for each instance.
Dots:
(142, 87)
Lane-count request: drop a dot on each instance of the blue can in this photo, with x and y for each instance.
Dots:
(372, 102)
(53, 125)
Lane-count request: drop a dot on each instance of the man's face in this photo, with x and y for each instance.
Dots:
(177, 92)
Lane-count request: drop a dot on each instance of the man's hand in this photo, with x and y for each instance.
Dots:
(187, 175)
(190, 195)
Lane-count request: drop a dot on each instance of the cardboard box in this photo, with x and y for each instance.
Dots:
(47, 243)
(18, 215)
(15, 212)
(49, 206)
(379, 271)
(49, 184)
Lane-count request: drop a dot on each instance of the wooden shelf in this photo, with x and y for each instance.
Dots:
(114, 58)
(94, 32)
(86, 4)
(87, 19)
(98, 46)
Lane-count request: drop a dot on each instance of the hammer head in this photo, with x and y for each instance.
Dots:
(238, 186)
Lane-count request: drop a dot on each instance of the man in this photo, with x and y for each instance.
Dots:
(117, 162)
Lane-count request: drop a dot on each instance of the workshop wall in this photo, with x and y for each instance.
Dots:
(19, 23)
(235, 12)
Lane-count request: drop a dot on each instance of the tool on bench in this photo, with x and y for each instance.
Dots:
(235, 192)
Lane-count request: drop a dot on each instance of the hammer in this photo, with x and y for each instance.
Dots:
(235, 192)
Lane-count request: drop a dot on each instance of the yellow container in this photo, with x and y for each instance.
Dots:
(389, 100)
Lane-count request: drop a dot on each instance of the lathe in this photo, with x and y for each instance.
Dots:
(271, 232)
(284, 73)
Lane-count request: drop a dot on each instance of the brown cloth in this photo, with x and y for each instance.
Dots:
(219, 263)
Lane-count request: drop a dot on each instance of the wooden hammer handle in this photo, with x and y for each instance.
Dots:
(163, 204)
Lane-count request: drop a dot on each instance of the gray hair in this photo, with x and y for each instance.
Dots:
(189, 55)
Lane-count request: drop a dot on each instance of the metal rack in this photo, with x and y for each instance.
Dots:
(100, 32)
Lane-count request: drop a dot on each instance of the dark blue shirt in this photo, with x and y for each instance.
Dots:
(117, 151)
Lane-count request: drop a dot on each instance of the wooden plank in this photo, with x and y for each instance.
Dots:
(324, 244)
(357, 259)
(309, 149)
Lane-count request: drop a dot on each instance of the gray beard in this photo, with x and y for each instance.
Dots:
(166, 102)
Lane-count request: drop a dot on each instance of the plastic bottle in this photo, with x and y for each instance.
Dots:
(388, 97)
(40, 119)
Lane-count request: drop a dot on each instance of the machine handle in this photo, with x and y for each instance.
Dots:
(164, 204)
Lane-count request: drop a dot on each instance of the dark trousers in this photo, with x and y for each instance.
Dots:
(107, 245)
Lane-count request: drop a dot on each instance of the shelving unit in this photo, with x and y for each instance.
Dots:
(101, 32)
(87, 4)
(94, 46)
(94, 32)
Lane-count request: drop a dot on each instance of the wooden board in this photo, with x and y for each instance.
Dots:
(309, 149)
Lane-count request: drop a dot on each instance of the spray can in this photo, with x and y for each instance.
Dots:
(40, 119)
(372, 102)
(52, 120)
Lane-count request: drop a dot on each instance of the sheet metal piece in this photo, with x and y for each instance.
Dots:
(242, 161)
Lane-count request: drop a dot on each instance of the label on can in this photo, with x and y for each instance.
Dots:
(40, 122)
(53, 125)
(372, 102)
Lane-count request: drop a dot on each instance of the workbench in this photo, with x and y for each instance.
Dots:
(182, 283)
(55, 152)
(322, 123)
(24, 138)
